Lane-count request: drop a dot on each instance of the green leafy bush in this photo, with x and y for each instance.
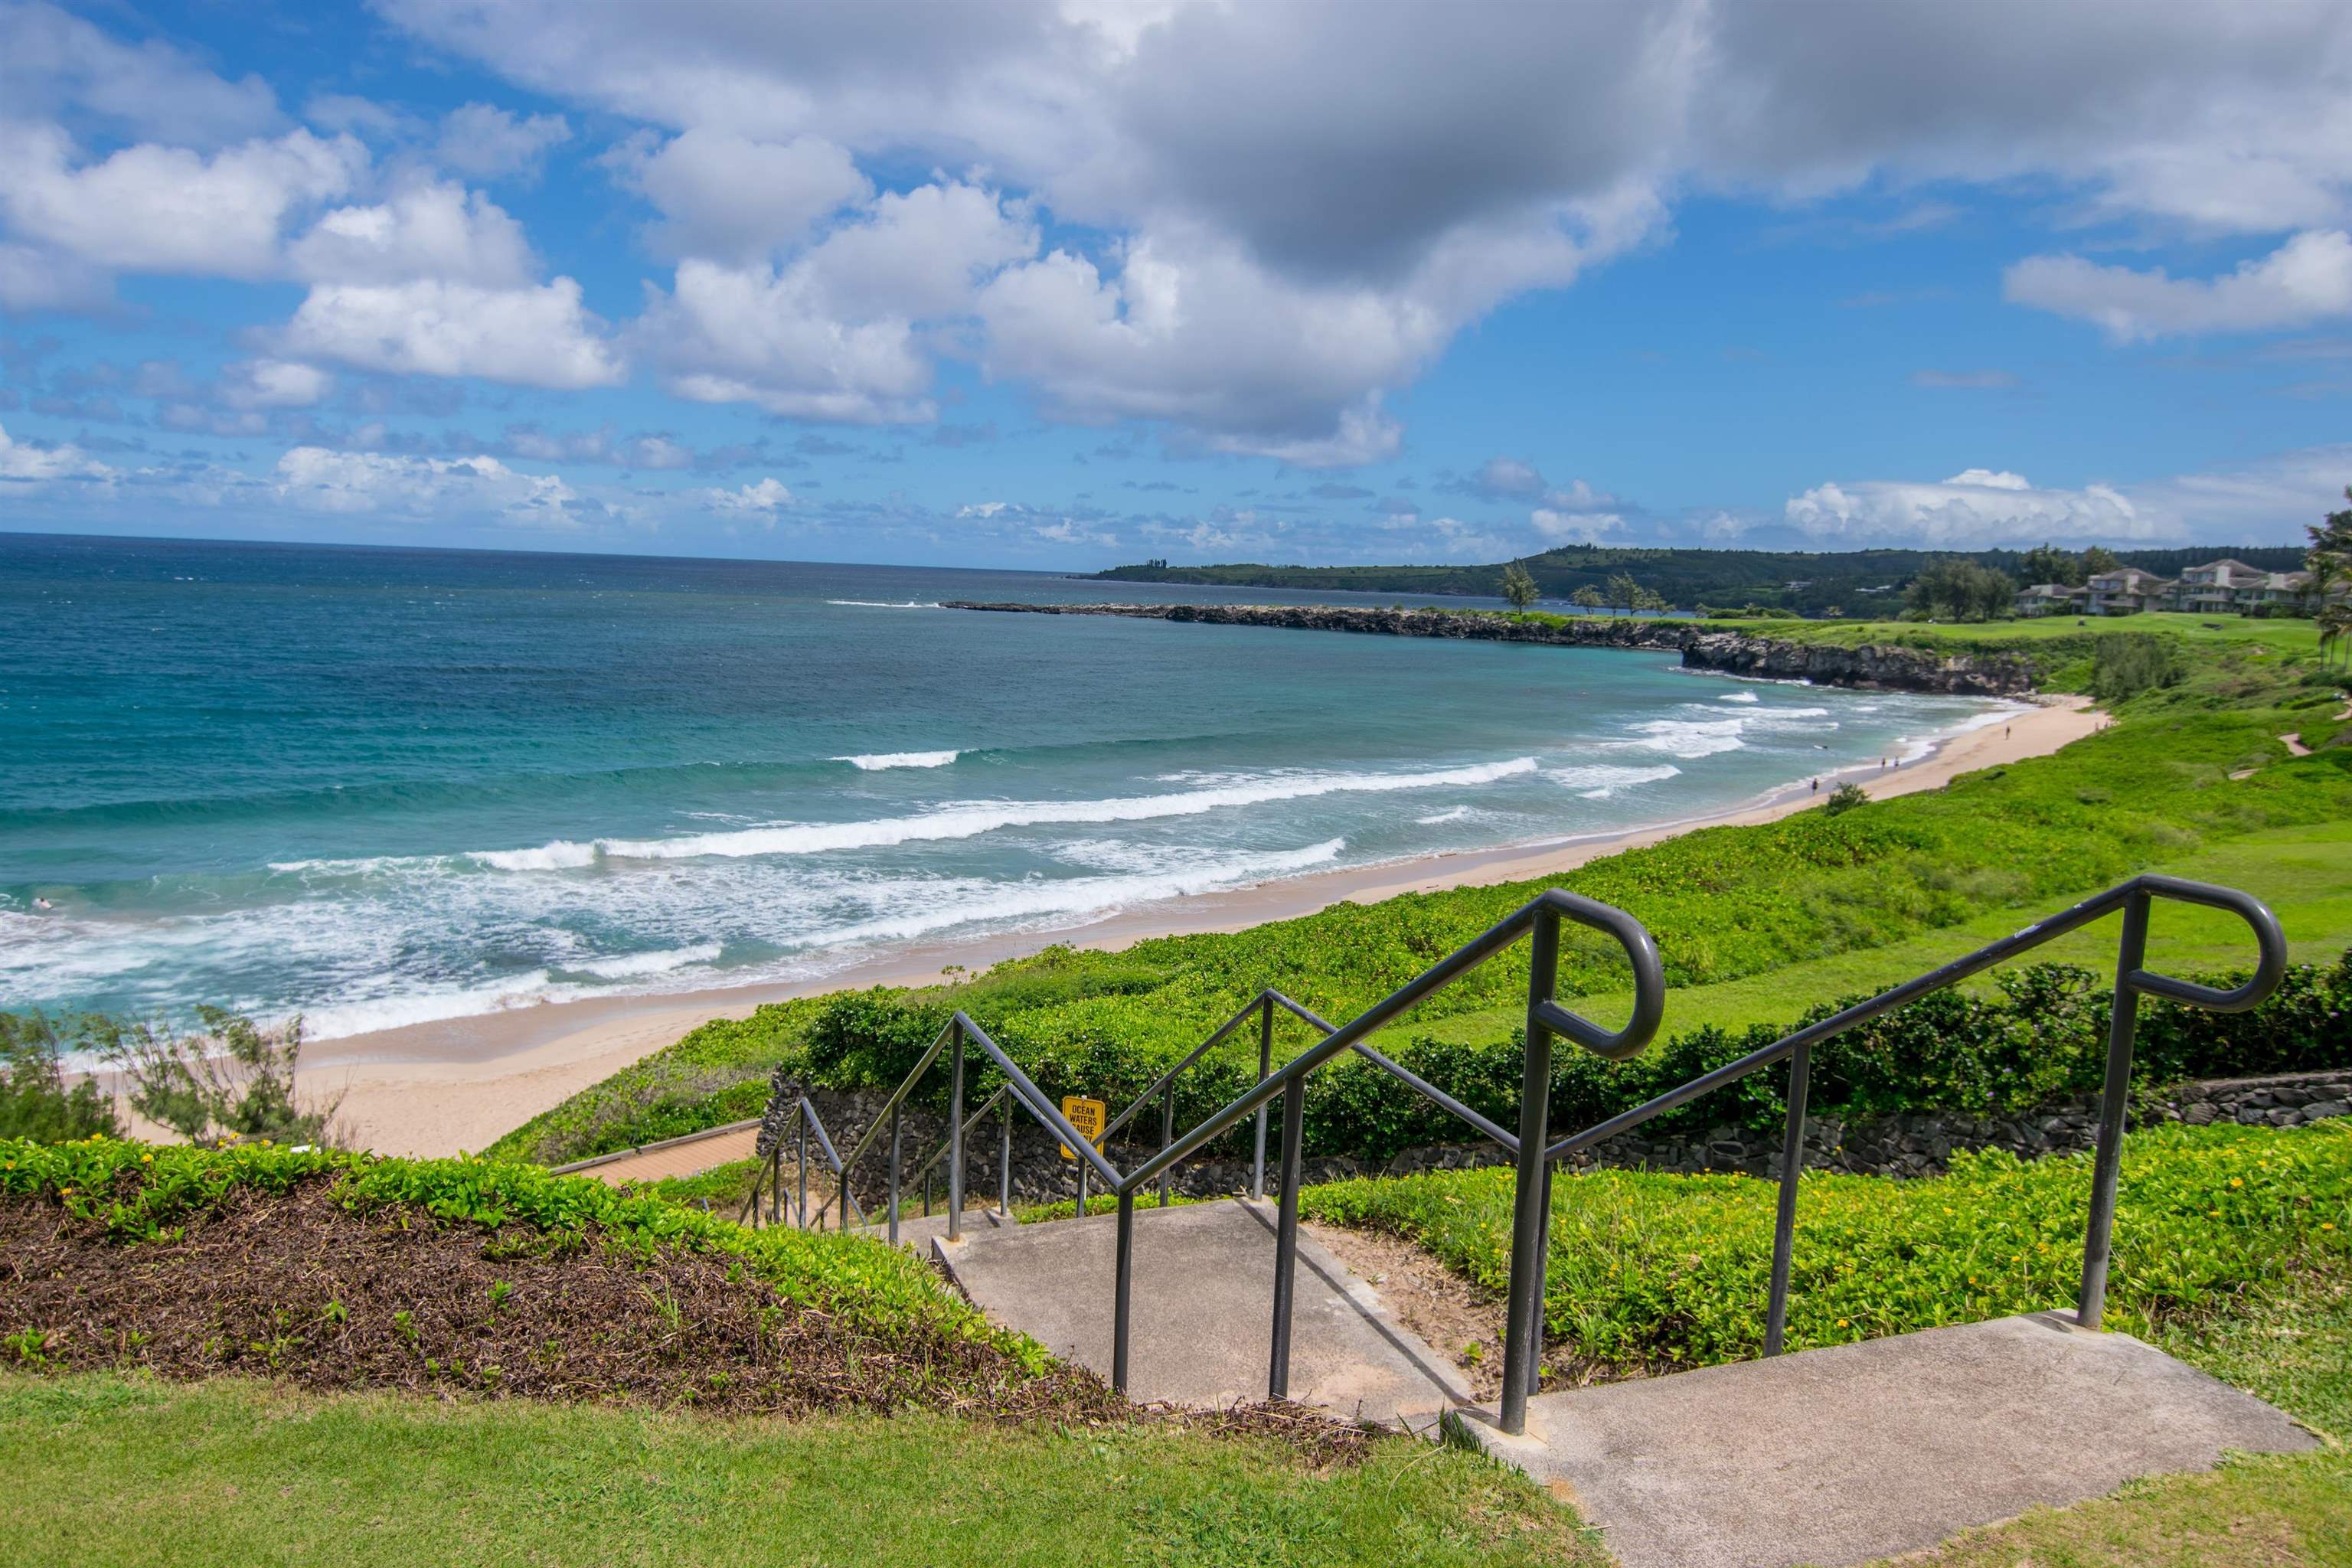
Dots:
(1649, 1270)
(2128, 663)
(34, 1100)
(229, 1079)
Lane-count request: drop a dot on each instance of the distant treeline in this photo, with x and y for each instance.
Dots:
(1857, 582)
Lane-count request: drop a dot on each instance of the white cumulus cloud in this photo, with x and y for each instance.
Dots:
(317, 478)
(2306, 279)
(487, 143)
(152, 208)
(731, 198)
(532, 336)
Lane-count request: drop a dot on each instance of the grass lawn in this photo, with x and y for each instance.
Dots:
(125, 1473)
(2304, 874)
(2282, 635)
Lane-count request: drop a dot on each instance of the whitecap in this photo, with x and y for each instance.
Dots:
(631, 965)
(563, 854)
(875, 762)
(1687, 738)
(1600, 779)
(887, 604)
(1455, 813)
(970, 818)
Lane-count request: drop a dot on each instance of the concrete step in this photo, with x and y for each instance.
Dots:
(1855, 1452)
(1203, 1311)
(918, 1231)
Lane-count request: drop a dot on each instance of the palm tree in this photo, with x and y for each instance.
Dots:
(1518, 587)
(2330, 565)
(2334, 626)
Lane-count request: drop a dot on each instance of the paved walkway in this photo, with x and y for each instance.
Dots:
(1842, 1455)
(1203, 1313)
(689, 1156)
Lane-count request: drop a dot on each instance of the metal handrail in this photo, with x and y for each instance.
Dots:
(1263, 1005)
(770, 1178)
(1534, 1156)
(1539, 920)
(2134, 897)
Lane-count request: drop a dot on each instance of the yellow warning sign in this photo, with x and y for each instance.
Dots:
(1088, 1116)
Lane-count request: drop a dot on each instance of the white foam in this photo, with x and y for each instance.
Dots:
(428, 1006)
(1454, 814)
(1600, 781)
(875, 762)
(1688, 738)
(563, 854)
(632, 965)
(887, 604)
(969, 819)
(1001, 903)
(1738, 697)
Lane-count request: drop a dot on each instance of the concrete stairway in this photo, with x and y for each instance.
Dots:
(1828, 1457)
(1842, 1455)
(1203, 1319)
(918, 1231)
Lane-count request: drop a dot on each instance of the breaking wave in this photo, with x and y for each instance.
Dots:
(875, 762)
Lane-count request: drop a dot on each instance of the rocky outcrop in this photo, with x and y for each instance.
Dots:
(1729, 652)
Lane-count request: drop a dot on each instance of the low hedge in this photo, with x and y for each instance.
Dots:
(1669, 1271)
(2042, 1034)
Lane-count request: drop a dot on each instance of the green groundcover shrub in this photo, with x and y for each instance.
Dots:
(141, 1192)
(2042, 1037)
(1653, 1270)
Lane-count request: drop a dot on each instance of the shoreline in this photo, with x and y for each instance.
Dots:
(437, 1088)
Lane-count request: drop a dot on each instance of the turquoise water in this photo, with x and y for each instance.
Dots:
(385, 786)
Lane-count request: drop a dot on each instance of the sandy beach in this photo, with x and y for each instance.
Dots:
(439, 1088)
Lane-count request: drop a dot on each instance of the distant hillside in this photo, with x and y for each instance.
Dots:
(1858, 582)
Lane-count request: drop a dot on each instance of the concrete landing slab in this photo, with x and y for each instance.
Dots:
(918, 1231)
(1842, 1455)
(1203, 1311)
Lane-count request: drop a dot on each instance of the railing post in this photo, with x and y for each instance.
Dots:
(1536, 1339)
(1122, 1293)
(803, 1158)
(2114, 1103)
(1784, 1226)
(1530, 1213)
(1081, 1186)
(775, 1181)
(894, 1174)
(1265, 1070)
(1286, 1235)
(1004, 1161)
(955, 1139)
(1166, 1133)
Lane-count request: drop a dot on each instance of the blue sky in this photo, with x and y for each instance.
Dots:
(1070, 283)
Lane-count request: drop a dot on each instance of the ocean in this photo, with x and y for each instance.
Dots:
(387, 787)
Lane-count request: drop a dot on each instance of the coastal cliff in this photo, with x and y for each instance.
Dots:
(1729, 652)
